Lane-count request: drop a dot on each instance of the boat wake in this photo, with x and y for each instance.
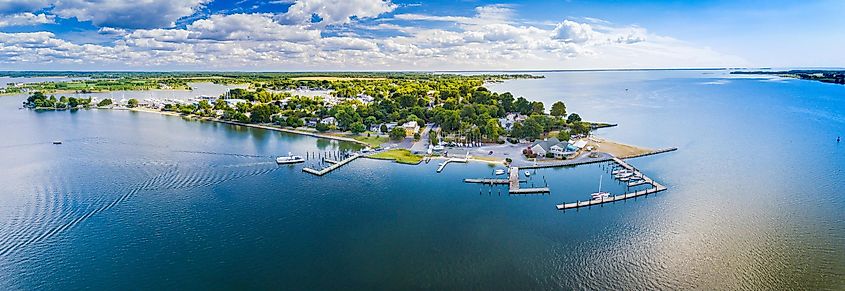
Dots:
(59, 205)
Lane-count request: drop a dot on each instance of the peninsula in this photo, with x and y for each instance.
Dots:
(397, 116)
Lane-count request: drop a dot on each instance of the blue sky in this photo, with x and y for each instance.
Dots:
(417, 35)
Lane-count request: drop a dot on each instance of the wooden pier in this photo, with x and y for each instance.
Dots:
(451, 160)
(513, 183)
(334, 166)
(657, 187)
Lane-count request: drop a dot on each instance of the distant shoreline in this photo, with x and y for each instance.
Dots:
(265, 127)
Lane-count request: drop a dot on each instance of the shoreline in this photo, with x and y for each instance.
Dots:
(265, 127)
(582, 159)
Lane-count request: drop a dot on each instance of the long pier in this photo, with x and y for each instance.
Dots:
(335, 165)
(513, 183)
(657, 187)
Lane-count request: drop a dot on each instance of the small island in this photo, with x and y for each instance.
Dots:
(825, 76)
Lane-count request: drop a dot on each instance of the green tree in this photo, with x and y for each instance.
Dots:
(493, 129)
(397, 133)
(383, 128)
(221, 104)
(72, 102)
(357, 127)
(537, 108)
(321, 127)
(261, 113)
(132, 103)
(104, 102)
(295, 122)
(580, 127)
(522, 106)
(506, 100)
(370, 120)
(573, 118)
(564, 135)
(558, 109)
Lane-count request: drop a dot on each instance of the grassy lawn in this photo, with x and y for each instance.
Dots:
(373, 140)
(401, 156)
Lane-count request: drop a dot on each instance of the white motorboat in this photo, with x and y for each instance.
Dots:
(623, 175)
(289, 159)
(620, 171)
(499, 172)
(527, 173)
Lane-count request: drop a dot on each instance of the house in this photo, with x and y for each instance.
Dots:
(311, 122)
(329, 121)
(541, 148)
(509, 120)
(563, 149)
(411, 127)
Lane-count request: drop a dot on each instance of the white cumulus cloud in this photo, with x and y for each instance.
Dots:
(25, 19)
(335, 12)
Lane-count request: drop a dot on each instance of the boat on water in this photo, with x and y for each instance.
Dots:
(527, 173)
(600, 195)
(57, 142)
(289, 159)
(623, 175)
(620, 171)
(499, 172)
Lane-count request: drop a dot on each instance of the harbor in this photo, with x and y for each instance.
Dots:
(621, 167)
(513, 183)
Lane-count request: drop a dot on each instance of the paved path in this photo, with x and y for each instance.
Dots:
(421, 146)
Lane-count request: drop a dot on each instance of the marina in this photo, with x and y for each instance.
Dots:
(513, 183)
(622, 170)
(335, 165)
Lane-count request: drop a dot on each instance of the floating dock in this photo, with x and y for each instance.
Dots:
(334, 166)
(657, 187)
(513, 183)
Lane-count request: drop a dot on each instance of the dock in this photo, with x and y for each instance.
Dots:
(451, 160)
(487, 181)
(657, 187)
(335, 165)
(513, 183)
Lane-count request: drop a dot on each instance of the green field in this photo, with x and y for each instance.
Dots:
(401, 156)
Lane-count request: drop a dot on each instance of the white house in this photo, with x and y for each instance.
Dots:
(540, 148)
(563, 149)
(329, 121)
(509, 120)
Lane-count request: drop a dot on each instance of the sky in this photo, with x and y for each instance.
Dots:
(349, 35)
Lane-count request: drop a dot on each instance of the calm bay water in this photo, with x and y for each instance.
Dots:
(142, 201)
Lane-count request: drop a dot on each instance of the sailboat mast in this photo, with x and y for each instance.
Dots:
(600, 177)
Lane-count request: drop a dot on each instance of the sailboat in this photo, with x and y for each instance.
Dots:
(600, 195)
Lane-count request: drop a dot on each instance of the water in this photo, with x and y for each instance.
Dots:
(142, 201)
(197, 89)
